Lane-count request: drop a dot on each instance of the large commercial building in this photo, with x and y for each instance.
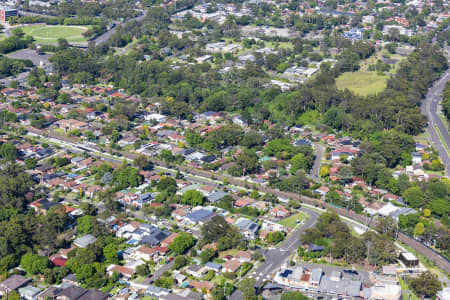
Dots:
(6, 12)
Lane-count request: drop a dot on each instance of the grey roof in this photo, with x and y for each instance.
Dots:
(199, 215)
(216, 196)
(213, 265)
(72, 292)
(29, 291)
(403, 211)
(94, 295)
(14, 282)
(316, 275)
(154, 290)
(85, 240)
(247, 225)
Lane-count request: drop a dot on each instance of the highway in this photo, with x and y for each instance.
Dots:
(435, 125)
(276, 257)
(101, 39)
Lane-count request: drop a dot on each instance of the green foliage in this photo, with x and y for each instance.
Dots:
(427, 284)
(218, 230)
(193, 198)
(125, 177)
(110, 254)
(414, 196)
(207, 255)
(179, 262)
(85, 224)
(182, 243)
(33, 263)
(8, 151)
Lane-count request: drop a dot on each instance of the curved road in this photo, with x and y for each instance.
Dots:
(435, 125)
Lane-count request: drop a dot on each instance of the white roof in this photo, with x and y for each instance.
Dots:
(409, 256)
(387, 209)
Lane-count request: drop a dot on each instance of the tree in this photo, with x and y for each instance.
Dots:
(218, 230)
(143, 163)
(85, 224)
(426, 285)
(207, 255)
(143, 270)
(324, 171)
(414, 197)
(297, 162)
(110, 254)
(30, 163)
(193, 198)
(8, 151)
(182, 243)
(419, 229)
(179, 262)
(247, 287)
(33, 263)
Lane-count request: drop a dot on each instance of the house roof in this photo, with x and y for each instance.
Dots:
(94, 295)
(85, 240)
(14, 282)
(199, 215)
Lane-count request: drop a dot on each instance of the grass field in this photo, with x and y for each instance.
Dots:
(49, 34)
(292, 220)
(364, 82)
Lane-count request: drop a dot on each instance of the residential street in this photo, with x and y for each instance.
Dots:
(429, 108)
(320, 149)
(277, 256)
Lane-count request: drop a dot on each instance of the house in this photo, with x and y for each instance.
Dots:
(248, 228)
(12, 283)
(196, 271)
(213, 266)
(124, 271)
(199, 216)
(244, 201)
(94, 295)
(154, 291)
(322, 191)
(416, 158)
(84, 241)
(169, 240)
(71, 293)
(216, 196)
(382, 292)
(279, 212)
(71, 124)
(231, 265)
(201, 285)
(29, 292)
(144, 253)
(243, 256)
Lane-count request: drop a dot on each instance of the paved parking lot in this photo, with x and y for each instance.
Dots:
(31, 55)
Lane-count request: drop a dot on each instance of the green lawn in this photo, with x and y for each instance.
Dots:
(231, 252)
(49, 34)
(362, 82)
(292, 220)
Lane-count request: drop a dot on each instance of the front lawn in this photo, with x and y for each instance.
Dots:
(292, 220)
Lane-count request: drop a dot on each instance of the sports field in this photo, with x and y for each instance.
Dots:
(49, 34)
